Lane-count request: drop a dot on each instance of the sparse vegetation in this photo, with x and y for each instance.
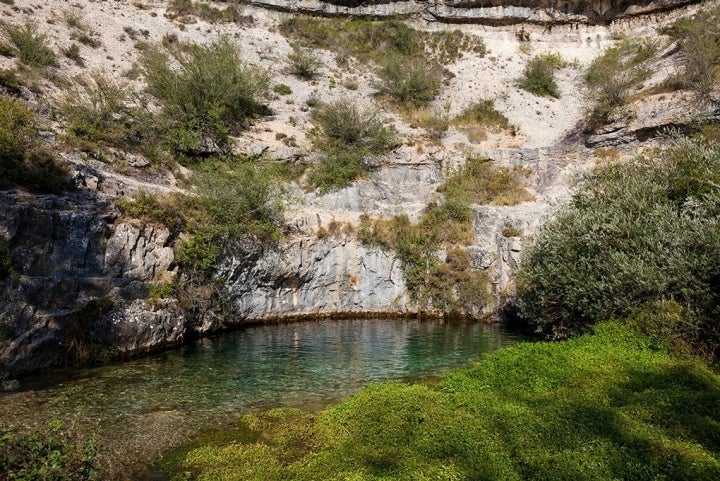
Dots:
(26, 162)
(450, 285)
(638, 234)
(209, 95)
(612, 75)
(80, 346)
(181, 10)
(28, 44)
(539, 75)
(304, 63)
(371, 41)
(699, 39)
(349, 136)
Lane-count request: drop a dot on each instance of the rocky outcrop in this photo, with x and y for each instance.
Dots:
(307, 275)
(651, 115)
(488, 12)
(66, 252)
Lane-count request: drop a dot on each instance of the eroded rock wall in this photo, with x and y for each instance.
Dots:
(489, 12)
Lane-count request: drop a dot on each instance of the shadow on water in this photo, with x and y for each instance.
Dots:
(142, 408)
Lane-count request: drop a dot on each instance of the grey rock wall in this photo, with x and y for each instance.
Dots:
(66, 252)
(308, 275)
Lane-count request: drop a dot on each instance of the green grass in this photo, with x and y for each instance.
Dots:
(609, 405)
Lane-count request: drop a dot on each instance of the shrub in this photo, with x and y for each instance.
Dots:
(235, 199)
(27, 44)
(73, 53)
(415, 83)
(210, 94)
(304, 63)
(479, 116)
(80, 346)
(612, 75)
(699, 39)
(55, 453)
(100, 111)
(539, 75)
(637, 233)
(345, 125)
(26, 162)
(168, 211)
(348, 136)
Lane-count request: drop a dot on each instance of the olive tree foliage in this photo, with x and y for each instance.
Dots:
(637, 233)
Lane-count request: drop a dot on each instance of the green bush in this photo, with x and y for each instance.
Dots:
(27, 44)
(482, 112)
(304, 63)
(211, 94)
(539, 75)
(26, 162)
(699, 40)
(344, 125)
(56, 453)
(348, 136)
(235, 198)
(337, 170)
(613, 74)
(636, 234)
(611, 405)
(415, 83)
(101, 112)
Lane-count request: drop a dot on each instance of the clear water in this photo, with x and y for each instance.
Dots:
(143, 407)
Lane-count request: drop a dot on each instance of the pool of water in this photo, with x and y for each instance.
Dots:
(146, 406)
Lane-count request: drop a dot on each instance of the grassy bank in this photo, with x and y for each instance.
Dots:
(612, 404)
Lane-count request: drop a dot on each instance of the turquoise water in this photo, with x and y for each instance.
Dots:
(143, 407)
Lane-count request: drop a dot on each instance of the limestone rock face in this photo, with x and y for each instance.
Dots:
(646, 117)
(66, 252)
(308, 275)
